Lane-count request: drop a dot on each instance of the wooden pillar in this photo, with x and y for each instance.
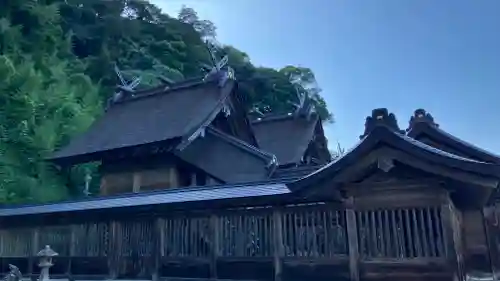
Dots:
(491, 229)
(114, 250)
(157, 249)
(34, 250)
(72, 249)
(352, 237)
(136, 182)
(215, 253)
(451, 229)
(103, 188)
(173, 177)
(278, 249)
(194, 179)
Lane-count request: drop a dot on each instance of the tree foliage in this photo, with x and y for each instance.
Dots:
(56, 68)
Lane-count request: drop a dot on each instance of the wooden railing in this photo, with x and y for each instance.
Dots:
(146, 246)
(401, 233)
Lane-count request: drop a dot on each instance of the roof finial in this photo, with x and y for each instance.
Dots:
(219, 68)
(381, 117)
(123, 88)
(421, 116)
(305, 106)
(130, 87)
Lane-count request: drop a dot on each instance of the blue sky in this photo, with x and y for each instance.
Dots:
(443, 56)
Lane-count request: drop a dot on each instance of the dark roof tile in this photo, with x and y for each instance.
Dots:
(150, 118)
(181, 195)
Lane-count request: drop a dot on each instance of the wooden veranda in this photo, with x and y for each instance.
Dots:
(313, 240)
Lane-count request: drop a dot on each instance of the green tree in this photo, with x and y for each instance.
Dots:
(56, 67)
(45, 98)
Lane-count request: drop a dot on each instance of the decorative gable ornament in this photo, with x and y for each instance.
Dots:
(421, 116)
(381, 117)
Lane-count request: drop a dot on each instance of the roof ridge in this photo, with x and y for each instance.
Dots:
(272, 117)
(164, 89)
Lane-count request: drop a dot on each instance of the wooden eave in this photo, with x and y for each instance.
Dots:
(141, 150)
(424, 129)
(147, 204)
(383, 147)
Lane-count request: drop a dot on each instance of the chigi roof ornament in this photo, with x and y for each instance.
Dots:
(421, 116)
(220, 69)
(381, 117)
(124, 89)
(306, 106)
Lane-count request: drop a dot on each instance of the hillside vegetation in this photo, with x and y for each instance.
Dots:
(56, 71)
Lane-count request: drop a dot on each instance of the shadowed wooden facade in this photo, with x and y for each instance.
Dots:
(321, 241)
(391, 208)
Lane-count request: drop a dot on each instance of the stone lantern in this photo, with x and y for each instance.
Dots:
(45, 263)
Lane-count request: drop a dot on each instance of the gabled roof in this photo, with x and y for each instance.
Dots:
(227, 158)
(156, 115)
(422, 127)
(286, 136)
(386, 143)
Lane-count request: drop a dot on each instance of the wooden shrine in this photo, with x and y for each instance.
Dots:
(400, 205)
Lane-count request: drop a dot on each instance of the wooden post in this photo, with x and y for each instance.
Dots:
(279, 250)
(103, 188)
(158, 248)
(136, 182)
(114, 251)
(214, 226)
(453, 248)
(173, 176)
(352, 237)
(490, 229)
(72, 248)
(35, 248)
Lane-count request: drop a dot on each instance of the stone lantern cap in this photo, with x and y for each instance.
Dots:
(47, 252)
